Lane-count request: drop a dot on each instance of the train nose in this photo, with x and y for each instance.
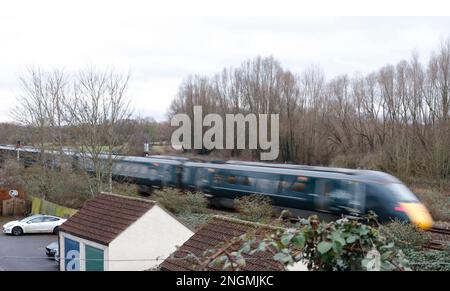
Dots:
(418, 214)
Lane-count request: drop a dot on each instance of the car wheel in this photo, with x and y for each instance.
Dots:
(56, 230)
(17, 231)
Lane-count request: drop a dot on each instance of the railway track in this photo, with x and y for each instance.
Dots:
(438, 245)
(440, 230)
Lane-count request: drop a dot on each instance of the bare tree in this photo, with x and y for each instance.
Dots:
(98, 108)
(394, 119)
(40, 108)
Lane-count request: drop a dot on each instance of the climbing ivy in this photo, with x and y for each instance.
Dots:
(342, 245)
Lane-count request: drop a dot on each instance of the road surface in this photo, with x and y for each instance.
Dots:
(25, 253)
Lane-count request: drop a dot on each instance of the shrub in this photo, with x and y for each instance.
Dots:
(65, 187)
(171, 199)
(342, 245)
(196, 203)
(70, 189)
(413, 241)
(126, 189)
(405, 235)
(257, 208)
(195, 220)
(11, 173)
(429, 260)
(177, 202)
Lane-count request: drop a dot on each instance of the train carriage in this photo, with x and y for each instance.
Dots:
(148, 172)
(331, 192)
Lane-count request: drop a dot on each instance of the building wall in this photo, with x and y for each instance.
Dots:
(82, 243)
(155, 235)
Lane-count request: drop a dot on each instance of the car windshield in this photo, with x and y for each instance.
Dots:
(402, 193)
(29, 218)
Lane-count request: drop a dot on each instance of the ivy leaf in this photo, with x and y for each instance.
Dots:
(219, 261)
(246, 248)
(283, 258)
(286, 239)
(352, 238)
(227, 266)
(241, 261)
(339, 240)
(337, 247)
(261, 248)
(299, 241)
(324, 247)
(363, 231)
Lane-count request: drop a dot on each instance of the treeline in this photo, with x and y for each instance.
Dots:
(394, 119)
(87, 111)
(138, 130)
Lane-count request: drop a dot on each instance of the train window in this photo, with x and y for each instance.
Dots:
(117, 167)
(345, 195)
(143, 170)
(247, 181)
(402, 193)
(231, 179)
(283, 185)
(136, 169)
(299, 186)
(339, 190)
(166, 173)
(218, 179)
(267, 184)
(202, 177)
(153, 173)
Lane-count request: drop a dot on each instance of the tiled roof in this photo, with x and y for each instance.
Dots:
(105, 217)
(219, 231)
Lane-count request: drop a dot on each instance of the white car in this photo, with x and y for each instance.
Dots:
(34, 224)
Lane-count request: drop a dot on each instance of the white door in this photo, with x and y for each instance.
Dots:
(34, 225)
(48, 224)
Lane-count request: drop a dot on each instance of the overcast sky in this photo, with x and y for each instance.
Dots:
(160, 47)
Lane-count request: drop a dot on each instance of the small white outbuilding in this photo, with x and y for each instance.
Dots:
(118, 233)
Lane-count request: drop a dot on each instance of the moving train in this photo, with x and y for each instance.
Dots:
(303, 190)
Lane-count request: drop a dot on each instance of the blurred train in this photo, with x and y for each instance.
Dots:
(303, 190)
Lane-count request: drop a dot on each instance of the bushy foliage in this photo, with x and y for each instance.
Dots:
(196, 202)
(178, 202)
(405, 235)
(429, 260)
(126, 189)
(195, 220)
(336, 246)
(413, 242)
(61, 186)
(11, 173)
(257, 208)
(66, 188)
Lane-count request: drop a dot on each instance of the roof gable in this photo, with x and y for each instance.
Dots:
(218, 231)
(105, 217)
